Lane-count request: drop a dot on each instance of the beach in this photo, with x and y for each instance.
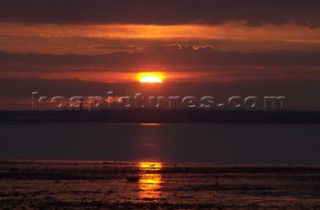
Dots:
(98, 184)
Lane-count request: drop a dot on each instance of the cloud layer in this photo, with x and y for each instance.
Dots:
(162, 12)
(172, 55)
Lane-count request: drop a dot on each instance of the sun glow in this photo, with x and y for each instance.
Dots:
(150, 77)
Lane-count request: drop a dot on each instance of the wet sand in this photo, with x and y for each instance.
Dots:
(98, 184)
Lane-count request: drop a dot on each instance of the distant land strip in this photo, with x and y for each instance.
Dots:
(162, 116)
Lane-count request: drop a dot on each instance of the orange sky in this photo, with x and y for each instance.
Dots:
(57, 39)
(110, 42)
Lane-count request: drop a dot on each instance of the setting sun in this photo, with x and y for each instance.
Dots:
(150, 77)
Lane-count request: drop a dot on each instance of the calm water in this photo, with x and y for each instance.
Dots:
(271, 144)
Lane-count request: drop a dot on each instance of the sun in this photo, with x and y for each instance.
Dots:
(150, 77)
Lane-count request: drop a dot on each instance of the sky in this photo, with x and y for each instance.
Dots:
(202, 47)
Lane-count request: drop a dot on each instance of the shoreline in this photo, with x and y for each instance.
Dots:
(162, 117)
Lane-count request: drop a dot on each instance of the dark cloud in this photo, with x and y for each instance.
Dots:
(164, 12)
(173, 55)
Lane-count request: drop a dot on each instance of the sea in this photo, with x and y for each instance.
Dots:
(159, 166)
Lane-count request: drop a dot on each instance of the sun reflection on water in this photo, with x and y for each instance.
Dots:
(150, 124)
(150, 181)
(150, 166)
